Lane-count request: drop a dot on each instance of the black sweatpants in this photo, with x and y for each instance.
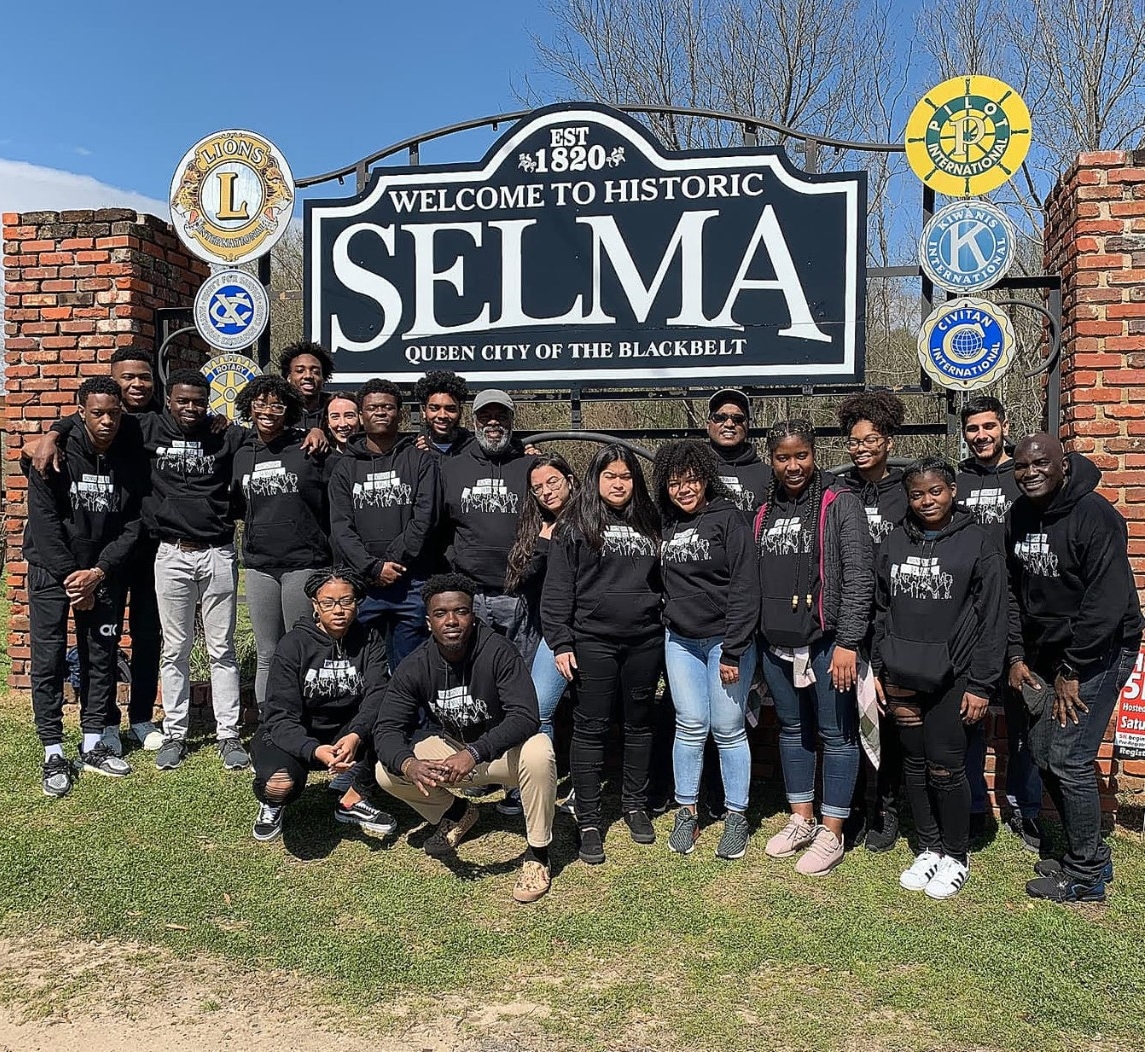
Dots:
(603, 669)
(97, 643)
(268, 759)
(934, 771)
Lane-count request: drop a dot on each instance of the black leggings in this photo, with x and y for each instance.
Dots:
(934, 768)
(268, 759)
(603, 668)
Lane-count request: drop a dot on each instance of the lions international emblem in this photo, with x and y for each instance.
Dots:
(232, 197)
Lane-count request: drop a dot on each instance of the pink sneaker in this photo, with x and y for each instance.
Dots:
(824, 854)
(793, 837)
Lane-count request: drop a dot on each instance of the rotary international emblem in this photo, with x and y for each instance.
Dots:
(228, 374)
(968, 135)
(966, 344)
(232, 197)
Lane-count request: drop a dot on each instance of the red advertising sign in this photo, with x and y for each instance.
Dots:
(1129, 739)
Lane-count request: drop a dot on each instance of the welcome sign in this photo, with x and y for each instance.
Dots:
(581, 251)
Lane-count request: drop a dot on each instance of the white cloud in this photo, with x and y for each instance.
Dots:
(83, 151)
(33, 188)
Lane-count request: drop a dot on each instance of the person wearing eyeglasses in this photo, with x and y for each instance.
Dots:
(324, 690)
(741, 471)
(279, 492)
(869, 422)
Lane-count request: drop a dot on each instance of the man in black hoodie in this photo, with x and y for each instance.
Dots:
(308, 367)
(1074, 636)
(383, 507)
(441, 395)
(741, 470)
(484, 490)
(483, 730)
(83, 522)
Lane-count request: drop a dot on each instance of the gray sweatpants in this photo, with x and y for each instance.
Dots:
(274, 605)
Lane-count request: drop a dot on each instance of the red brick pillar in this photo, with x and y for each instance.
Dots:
(76, 286)
(1095, 239)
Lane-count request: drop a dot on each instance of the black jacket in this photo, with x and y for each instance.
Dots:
(884, 501)
(711, 582)
(481, 499)
(312, 418)
(280, 494)
(463, 438)
(383, 507)
(940, 608)
(988, 493)
(88, 514)
(320, 688)
(745, 475)
(1070, 576)
(612, 593)
(486, 700)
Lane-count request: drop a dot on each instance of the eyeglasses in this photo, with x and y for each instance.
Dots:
(722, 418)
(553, 486)
(690, 482)
(347, 602)
(271, 410)
(868, 441)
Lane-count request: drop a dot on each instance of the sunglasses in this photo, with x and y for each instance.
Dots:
(722, 418)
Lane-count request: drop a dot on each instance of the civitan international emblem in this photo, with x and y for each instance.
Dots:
(966, 344)
(967, 247)
(232, 197)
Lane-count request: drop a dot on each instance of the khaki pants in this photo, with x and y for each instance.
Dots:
(531, 767)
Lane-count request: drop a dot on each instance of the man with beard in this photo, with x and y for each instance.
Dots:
(484, 488)
(441, 395)
(1074, 636)
(741, 470)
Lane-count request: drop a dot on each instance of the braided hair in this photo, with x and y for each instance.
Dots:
(323, 577)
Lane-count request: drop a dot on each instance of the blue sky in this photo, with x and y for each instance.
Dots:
(132, 85)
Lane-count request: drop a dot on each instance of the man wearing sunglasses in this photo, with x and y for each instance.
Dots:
(741, 470)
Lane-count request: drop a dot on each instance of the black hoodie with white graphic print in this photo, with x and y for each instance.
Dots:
(485, 700)
(746, 476)
(383, 507)
(280, 494)
(482, 497)
(320, 688)
(884, 501)
(1076, 599)
(711, 582)
(940, 607)
(988, 492)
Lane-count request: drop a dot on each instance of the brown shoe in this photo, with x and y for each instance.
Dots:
(449, 834)
(532, 882)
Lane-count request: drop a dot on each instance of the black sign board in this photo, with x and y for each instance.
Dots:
(580, 251)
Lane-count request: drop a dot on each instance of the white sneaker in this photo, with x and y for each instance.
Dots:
(921, 870)
(111, 739)
(948, 881)
(148, 735)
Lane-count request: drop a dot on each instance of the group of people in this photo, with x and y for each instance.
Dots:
(422, 603)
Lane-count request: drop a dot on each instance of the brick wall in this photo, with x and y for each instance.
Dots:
(76, 286)
(1095, 238)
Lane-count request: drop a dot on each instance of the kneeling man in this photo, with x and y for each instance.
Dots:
(483, 729)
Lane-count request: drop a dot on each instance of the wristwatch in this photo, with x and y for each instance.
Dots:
(1066, 670)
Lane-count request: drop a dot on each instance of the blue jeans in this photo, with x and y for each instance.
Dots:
(397, 611)
(1023, 783)
(803, 711)
(549, 684)
(705, 704)
(1066, 756)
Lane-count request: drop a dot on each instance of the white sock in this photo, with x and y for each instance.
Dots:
(53, 750)
(90, 741)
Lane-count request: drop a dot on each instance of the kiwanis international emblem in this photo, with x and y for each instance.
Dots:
(966, 344)
(232, 197)
(967, 247)
(968, 135)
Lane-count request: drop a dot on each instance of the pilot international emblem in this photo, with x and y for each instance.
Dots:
(968, 135)
(231, 310)
(228, 374)
(232, 197)
(967, 247)
(966, 344)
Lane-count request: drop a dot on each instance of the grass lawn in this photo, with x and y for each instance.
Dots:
(650, 951)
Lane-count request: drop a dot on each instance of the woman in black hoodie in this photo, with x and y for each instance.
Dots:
(939, 646)
(600, 609)
(711, 608)
(326, 683)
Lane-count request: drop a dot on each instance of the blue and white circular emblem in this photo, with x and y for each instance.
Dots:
(966, 344)
(967, 246)
(231, 310)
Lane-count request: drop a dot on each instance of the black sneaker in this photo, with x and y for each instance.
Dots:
(733, 844)
(640, 826)
(1062, 888)
(1028, 830)
(171, 754)
(268, 821)
(58, 777)
(233, 755)
(101, 760)
(1051, 867)
(367, 818)
(511, 805)
(685, 832)
(883, 836)
(591, 846)
(854, 829)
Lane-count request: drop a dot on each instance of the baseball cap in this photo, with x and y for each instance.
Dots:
(729, 394)
(493, 397)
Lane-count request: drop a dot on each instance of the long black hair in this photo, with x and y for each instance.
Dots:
(531, 519)
(587, 512)
(689, 457)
